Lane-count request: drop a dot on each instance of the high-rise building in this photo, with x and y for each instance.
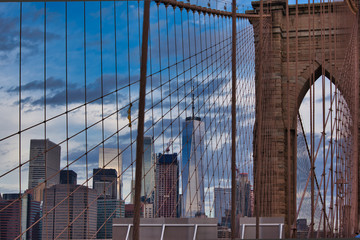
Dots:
(69, 209)
(180, 205)
(243, 195)
(132, 197)
(108, 205)
(192, 166)
(252, 201)
(111, 158)
(105, 182)
(44, 163)
(148, 169)
(68, 177)
(167, 185)
(107, 209)
(17, 215)
(222, 199)
(148, 173)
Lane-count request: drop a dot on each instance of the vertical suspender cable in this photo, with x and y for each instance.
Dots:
(233, 122)
(140, 132)
(86, 120)
(296, 106)
(118, 187)
(289, 208)
(45, 144)
(20, 39)
(67, 119)
(331, 213)
(356, 128)
(312, 102)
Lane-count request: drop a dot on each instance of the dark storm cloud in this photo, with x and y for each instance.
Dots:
(31, 36)
(51, 83)
(57, 91)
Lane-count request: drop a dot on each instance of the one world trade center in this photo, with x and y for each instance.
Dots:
(192, 166)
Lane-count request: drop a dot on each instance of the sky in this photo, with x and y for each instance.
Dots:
(88, 53)
(94, 51)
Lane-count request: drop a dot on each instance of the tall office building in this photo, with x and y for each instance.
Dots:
(68, 177)
(148, 169)
(132, 197)
(167, 185)
(20, 215)
(107, 209)
(222, 202)
(105, 183)
(148, 173)
(192, 166)
(243, 195)
(44, 163)
(111, 158)
(84, 227)
(108, 206)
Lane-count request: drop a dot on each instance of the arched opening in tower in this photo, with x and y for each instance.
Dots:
(324, 143)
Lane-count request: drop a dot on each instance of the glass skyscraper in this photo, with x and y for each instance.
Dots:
(148, 170)
(108, 204)
(222, 202)
(111, 158)
(107, 210)
(192, 166)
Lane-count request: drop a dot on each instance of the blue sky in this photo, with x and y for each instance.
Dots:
(66, 84)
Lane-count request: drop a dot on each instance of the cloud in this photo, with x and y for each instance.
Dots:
(57, 92)
(31, 36)
(51, 83)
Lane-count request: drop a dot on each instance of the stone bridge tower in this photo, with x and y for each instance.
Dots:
(295, 52)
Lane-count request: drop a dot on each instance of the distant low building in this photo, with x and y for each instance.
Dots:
(129, 211)
(148, 210)
(224, 232)
(301, 224)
